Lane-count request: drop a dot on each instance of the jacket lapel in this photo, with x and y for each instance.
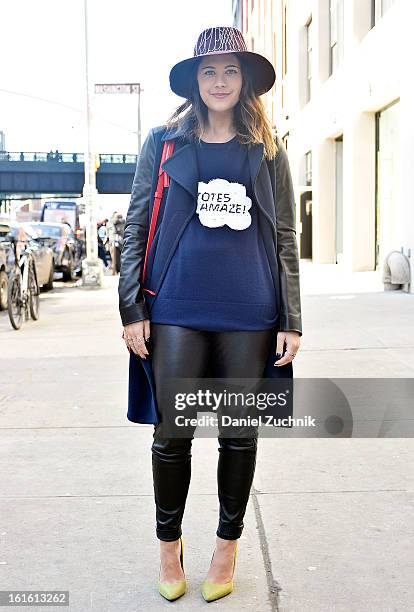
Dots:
(182, 168)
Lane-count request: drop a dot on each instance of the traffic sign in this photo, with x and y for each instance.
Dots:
(117, 88)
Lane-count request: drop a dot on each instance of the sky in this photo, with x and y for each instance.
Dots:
(42, 71)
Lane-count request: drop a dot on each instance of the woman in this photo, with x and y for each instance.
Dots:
(221, 282)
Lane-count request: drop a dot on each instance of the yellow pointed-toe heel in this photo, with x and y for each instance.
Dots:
(174, 590)
(212, 590)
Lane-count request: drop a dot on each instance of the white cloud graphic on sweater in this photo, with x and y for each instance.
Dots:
(221, 202)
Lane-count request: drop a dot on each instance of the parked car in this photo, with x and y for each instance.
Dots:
(68, 250)
(42, 253)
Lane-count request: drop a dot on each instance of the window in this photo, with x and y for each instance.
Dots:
(309, 60)
(336, 34)
(385, 5)
(379, 8)
(284, 41)
(284, 51)
(238, 17)
(308, 168)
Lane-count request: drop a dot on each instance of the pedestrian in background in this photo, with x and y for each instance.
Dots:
(222, 283)
(102, 236)
(115, 232)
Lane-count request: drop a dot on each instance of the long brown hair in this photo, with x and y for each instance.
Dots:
(250, 118)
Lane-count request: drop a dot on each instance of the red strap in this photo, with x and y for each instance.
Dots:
(163, 181)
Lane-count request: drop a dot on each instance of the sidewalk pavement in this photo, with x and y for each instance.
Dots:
(329, 525)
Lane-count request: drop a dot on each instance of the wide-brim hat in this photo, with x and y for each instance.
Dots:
(217, 40)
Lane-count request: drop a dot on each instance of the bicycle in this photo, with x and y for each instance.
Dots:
(23, 288)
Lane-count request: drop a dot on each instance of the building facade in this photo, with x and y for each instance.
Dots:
(342, 104)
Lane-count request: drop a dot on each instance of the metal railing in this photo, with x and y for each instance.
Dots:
(104, 158)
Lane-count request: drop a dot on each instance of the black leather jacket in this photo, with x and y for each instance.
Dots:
(132, 304)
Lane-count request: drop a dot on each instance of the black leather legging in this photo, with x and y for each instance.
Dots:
(184, 352)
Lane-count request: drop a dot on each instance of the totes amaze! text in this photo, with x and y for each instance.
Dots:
(221, 203)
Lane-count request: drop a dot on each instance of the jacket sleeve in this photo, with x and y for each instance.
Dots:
(287, 250)
(132, 305)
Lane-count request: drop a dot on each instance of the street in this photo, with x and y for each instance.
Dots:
(329, 524)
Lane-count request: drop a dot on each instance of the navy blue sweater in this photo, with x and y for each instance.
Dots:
(219, 278)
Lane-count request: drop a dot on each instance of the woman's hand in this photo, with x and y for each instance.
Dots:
(292, 339)
(135, 335)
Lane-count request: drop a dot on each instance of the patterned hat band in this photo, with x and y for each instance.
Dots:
(216, 41)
